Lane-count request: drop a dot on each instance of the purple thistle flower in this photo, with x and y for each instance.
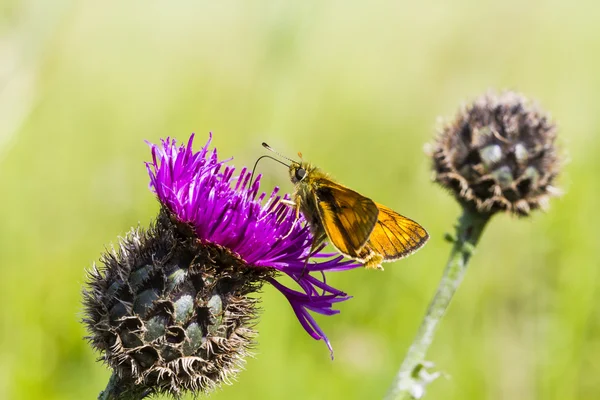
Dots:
(227, 210)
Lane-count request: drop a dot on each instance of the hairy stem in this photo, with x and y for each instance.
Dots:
(410, 380)
(118, 389)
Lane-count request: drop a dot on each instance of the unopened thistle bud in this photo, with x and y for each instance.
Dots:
(169, 308)
(498, 154)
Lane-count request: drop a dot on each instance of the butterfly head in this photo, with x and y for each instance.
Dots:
(299, 171)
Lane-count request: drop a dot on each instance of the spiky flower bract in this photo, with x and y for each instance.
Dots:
(498, 154)
(170, 308)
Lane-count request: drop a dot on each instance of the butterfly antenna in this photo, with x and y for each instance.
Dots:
(266, 146)
(260, 158)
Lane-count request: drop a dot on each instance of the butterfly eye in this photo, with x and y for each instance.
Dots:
(300, 173)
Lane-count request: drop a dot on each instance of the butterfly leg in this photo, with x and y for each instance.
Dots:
(312, 251)
(304, 269)
(319, 237)
(296, 206)
(290, 203)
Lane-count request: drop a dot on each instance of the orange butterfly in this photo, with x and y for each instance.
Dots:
(356, 226)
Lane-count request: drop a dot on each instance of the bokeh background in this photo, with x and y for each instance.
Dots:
(358, 88)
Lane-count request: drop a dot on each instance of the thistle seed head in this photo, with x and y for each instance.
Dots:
(170, 313)
(499, 154)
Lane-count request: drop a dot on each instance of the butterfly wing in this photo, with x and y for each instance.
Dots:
(394, 236)
(347, 216)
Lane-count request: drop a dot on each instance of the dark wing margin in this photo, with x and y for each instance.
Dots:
(396, 236)
(348, 217)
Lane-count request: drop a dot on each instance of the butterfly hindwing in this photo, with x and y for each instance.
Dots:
(395, 236)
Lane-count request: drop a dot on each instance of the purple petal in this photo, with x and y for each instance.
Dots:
(230, 211)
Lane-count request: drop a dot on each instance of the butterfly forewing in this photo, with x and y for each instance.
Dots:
(395, 236)
(348, 217)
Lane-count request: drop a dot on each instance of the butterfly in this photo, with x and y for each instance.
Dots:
(355, 225)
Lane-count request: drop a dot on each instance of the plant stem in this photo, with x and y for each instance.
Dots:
(118, 389)
(409, 383)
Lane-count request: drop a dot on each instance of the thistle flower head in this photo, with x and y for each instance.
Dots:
(170, 308)
(498, 154)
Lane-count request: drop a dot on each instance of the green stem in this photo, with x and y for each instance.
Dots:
(409, 381)
(119, 389)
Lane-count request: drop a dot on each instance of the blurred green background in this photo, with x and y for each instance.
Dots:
(357, 87)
